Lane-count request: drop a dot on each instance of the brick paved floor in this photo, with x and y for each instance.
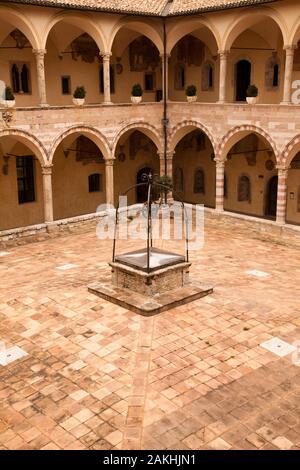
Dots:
(100, 377)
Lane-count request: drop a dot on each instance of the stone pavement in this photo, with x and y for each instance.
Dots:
(100, 377)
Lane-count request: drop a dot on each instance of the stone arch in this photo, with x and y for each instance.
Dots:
(290, 151)
(184, 128)
(145, 28)
(18, 20)
(147, 129)
(93, 134)
(30, 141)
(239, 132)
(84, 21)
(185, 27)
(250, 18)
(295, 33)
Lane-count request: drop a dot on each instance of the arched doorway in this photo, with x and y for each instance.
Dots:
(141, 191)
(243, 77)
(271, 197)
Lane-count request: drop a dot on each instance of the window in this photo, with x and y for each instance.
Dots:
(95, 183)
(244, 189)
(207, 82)
(199, 182)
(66, 85)
(20, 77)
(178, 179)
(272, 72)
(179, 77)
(112, 79)
(25, 179)
(149, 81)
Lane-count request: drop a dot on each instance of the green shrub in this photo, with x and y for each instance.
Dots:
(191, 90)
(79, 92)
(9, 96)
(252, 91)
(137, 90)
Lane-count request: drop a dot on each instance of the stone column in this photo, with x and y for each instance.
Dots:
(220, 171)
(162, 170)
(41, 80)
(109, 181)
(281, 196)
(106, 77)
(288, 72)
(165, 57)
(47, 192)
(223, 55)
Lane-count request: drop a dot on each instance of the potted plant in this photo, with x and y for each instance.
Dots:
(79, 96)
(9, 101)
(136, 93)
(191, 93)
(252, 93)
(164, 186)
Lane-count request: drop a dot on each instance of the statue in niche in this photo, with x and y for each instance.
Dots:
(195, 140)
(249, 147)
(139, 141)
(190, 50)
(87, 151)
(20, 38)
(86, 48)
(143, 54)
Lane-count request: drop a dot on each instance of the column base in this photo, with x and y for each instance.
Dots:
(107, 103)
(44, 105)
(285, 103)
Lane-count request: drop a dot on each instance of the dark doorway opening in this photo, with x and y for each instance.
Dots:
(271, 199)
(142, 191)
(243, 77)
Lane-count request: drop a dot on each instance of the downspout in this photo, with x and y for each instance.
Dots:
(165, 120)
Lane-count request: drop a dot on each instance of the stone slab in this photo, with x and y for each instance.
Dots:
(146, 305)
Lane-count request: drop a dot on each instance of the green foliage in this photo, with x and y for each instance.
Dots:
(79, 92)
(137, 90)
(252, 91)
(191, 90)
(9, 96)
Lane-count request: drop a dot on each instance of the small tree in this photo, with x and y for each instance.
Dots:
(79, 93)
(137, 90)
(9, 96)
(191, 90)
(164, 186)
(252, 91)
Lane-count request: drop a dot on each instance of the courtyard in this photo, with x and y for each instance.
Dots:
(97, 376)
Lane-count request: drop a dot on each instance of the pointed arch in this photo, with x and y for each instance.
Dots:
(239, 132)
(34, 144)
(145, 28)
(290, 151)
(184, 128)
(147, 129)
(18, 20)
(184, 27)
(93, 134)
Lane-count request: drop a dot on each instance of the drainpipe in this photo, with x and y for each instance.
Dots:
(165, 120)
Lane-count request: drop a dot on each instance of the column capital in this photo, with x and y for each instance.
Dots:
(290, 47)
(106, 55)
(109, 161)
(165, 54)
(39, 52)
(47, 170)
(220, 163)
(282, 170)
(169, 154)
(223, 53)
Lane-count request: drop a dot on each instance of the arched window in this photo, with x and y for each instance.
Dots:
(207, 82)
(178, 179)
(25, 79)
(179, 77)
(272, 72)
(199, 181)
(20, 77)
(95, 183)
(15, 78)
(225, 186)
(244, 189)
